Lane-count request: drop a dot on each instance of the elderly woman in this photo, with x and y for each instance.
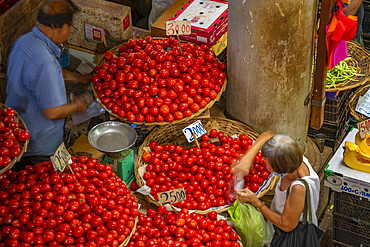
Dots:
(283, 157)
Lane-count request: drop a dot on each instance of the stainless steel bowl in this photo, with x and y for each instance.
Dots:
(112, 136)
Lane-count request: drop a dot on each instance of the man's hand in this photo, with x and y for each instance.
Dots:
(75, 78)
(85, 79)
(81, 105)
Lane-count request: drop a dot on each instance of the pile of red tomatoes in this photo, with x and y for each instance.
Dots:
(203, 172)
(43, 207)
(11, 136)
(163, 228)
(5, 5)
(151, 81)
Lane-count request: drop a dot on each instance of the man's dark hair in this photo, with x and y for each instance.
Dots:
(55, 13)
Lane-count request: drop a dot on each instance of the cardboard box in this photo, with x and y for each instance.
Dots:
(341, 178)
(208, 20)
(220, 48)
(18, 20)
(100, 22)
(158, 29)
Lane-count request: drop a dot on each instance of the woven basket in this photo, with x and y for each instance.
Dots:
(124, 243)
(360, 59)
(173, 134)
(115, 51)
(23, 144)
(353, 103)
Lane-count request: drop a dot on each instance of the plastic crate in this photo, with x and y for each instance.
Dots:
(334, 108)
(335, 143)
(339, 244)
(352, 206)
(333, 105)
(332, 131)
(122, 164)
(349, 231)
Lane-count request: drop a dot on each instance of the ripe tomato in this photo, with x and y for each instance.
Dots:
(23, 135)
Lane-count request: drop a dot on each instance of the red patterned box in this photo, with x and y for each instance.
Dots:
(208, 20)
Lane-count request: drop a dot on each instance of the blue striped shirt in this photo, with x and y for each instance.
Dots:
(35, 82)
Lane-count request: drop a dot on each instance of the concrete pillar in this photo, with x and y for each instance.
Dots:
(269, 64)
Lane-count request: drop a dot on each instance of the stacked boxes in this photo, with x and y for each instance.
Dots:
(366, 24)
(16, 21)
(351, 223)
(336, 119)
(100, 22)
(351, 214)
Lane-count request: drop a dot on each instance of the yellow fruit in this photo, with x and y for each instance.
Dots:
(355, 158)
(365, 143)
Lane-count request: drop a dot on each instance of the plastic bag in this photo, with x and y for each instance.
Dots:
(92, 110)
(158, 8)
(250, 225)
(233, 185)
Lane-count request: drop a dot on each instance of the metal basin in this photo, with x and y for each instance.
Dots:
(112, 136)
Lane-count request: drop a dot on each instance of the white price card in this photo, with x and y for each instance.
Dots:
(364, 127)
(172, 196)
(196, 128)
(178, 27)
(61, 157)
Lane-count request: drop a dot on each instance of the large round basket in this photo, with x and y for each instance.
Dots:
(353, 103)
(24, 145)
(124, 243)
(360, 59)
(115, 51)
(173, 134)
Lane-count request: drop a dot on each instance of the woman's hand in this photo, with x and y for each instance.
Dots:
(247, 195)
(241, 169)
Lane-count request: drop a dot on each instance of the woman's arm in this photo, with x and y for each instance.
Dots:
(352, 8)
(242, 168)
(293, 208)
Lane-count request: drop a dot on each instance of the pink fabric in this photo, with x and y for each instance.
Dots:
(340, 52)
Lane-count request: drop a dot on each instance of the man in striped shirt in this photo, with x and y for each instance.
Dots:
(36, 81)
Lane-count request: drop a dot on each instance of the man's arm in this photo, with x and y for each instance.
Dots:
(352, 8)
(74, 78)
(64, 111)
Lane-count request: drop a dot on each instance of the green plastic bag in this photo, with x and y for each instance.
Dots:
(250, 225)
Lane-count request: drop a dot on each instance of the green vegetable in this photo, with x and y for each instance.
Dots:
(341, 72)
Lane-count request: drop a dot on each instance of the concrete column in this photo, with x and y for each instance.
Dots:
(269, 64)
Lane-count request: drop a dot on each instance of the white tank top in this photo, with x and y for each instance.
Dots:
(313, 182)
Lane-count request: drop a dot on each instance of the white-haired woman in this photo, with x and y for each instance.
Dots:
(283, 157)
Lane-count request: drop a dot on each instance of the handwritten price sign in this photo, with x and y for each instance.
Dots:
(364, 127)
(172, 196)
(196, 128)
(178, 27)
(61, 157)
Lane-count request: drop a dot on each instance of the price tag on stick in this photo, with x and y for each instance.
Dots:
(196, 128)
(364, 127)
(178, 28)
(61, 158)
(172, 196)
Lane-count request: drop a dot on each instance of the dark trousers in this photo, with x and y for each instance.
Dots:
(30, 160)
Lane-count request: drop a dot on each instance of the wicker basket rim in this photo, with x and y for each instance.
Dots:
(24, 144)
(353, 47)
(353, 103)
